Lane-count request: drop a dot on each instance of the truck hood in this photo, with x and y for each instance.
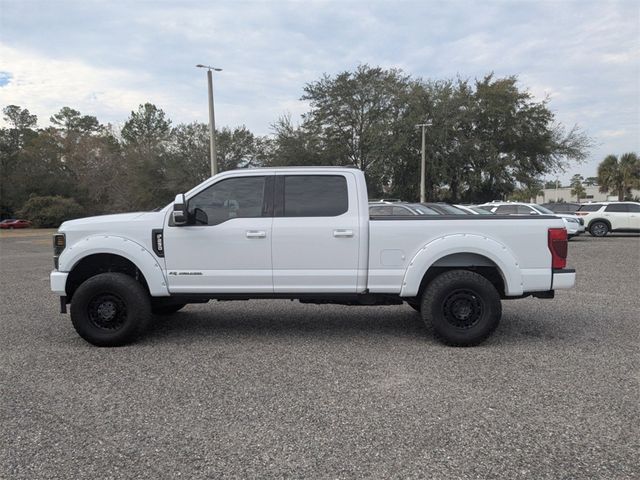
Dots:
(114, 224)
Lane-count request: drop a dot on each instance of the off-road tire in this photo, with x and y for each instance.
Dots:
(110, 310)
(598, 229)
(462, 306)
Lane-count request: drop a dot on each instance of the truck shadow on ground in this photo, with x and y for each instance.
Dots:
(329, 322)
(355, 321)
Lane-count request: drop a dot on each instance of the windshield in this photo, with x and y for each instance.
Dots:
(542, 209)
(422, 210)
(481, 211)
(451, 209)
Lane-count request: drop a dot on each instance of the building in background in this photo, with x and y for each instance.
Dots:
(592, 194)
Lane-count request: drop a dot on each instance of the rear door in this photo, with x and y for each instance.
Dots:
(315, 233)
(634, 216)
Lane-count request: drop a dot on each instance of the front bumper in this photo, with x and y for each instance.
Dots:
(58, 282)
(563, 279)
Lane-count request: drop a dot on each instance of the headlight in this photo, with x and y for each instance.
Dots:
(59, 242)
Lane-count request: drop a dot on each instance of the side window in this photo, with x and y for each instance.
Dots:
(617, 207)
(506, 210)
(240, 197)
(634, 208)
(315, 196)
(590, 208)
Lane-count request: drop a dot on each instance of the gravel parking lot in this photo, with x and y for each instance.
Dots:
(264, 389)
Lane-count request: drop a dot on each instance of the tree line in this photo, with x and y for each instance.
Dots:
(488, 138)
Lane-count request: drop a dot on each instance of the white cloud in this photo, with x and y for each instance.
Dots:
(108, 57)
(44, 85)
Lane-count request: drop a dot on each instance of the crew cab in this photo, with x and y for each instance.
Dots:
(301, 233)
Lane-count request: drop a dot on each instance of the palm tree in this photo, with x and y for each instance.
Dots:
(576, 186)
(619, 176)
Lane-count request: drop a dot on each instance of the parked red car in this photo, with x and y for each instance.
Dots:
(11, 223)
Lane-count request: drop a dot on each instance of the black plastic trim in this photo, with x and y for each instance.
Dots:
(154, 241)
(463, 217)
(269, 196)
(340, 298)
(564, 270)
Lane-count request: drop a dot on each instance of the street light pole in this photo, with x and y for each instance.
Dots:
(212, 117)
(423, 164)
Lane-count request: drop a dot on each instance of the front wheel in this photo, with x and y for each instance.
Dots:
(110, 309)
(415, 305)
(462, 306)
(598, 229)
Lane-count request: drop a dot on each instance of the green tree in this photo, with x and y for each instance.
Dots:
(619, 176)
(145, 137)
(527, 193)
(70, 120)
(50, 211)
(354, 116)
(577, 188)
(591, 181)
(239, 148)
(188, 159)
(20, 132)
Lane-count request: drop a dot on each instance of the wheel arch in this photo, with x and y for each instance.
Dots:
(483, 255)
(99, 254)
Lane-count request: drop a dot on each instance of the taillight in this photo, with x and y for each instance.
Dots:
(558, 246)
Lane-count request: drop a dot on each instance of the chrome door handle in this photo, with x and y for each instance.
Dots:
(343, 233)
(256, 234)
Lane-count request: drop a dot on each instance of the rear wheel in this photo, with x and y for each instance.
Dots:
(110, 309)
(463, 307)
(598, 229)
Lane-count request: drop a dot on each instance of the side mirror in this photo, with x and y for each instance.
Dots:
(179, 210)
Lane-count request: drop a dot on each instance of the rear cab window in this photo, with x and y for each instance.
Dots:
(311, 195)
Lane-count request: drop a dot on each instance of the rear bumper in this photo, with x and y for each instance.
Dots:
(58, 282)
(563, 279)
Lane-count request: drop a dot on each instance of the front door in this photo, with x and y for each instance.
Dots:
(316, 233)
(226, 247)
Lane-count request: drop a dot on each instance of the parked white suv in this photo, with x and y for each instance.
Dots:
(573, 223)
(604, 217)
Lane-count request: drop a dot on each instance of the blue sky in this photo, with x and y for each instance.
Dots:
(105, 58)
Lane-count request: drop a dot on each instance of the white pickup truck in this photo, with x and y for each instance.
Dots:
(301, 233)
